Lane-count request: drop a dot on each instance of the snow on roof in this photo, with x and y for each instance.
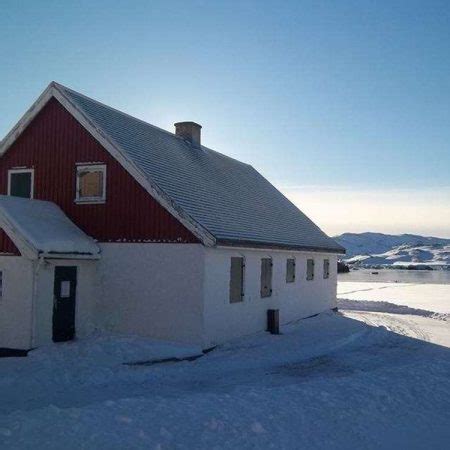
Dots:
(40, 227)
(227, 198)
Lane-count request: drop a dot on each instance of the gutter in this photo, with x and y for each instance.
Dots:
(271, 246)
(75, 255)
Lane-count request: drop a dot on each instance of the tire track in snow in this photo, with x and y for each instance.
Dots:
(392, 323)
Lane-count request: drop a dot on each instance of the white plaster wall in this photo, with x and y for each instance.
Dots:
(15, 303)
(153, 290)
(302, 298)
(87, 295)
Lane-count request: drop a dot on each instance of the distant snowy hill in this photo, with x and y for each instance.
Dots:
(386, 249)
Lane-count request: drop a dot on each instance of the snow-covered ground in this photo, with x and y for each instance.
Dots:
(430, 297)
(354, 379)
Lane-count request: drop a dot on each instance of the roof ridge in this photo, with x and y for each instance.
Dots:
(59, 85)
(115, 109)
(119, 111)
(217, 197)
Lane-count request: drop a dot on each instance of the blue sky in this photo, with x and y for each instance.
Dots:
(344, 105)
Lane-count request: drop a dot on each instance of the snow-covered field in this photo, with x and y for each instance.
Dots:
(354, 379)
(430, 297)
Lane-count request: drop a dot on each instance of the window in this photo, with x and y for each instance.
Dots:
(290, 270)
(237, 280)
(20, 182)
(326, 268)
(91, 184)
(266, 277)
(310, 269)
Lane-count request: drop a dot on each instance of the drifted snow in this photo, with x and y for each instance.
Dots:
(44, 226)
(387, 307)
(348, 380)
(430, 297)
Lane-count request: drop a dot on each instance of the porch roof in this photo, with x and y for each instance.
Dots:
(40, 228)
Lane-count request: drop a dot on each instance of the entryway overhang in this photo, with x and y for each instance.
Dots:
(40, 229)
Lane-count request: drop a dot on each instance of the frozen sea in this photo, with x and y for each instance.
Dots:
(397, 276)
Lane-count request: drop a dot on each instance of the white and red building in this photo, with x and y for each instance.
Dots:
(110, 223)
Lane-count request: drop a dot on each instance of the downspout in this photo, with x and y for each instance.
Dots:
(36, 269)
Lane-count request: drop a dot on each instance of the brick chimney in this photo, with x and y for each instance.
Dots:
(190, 131)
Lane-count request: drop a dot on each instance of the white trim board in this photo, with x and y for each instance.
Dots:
(54, 90)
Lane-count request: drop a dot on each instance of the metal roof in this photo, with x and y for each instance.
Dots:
(228, 198)
(41, 228)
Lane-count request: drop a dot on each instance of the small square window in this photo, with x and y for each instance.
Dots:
(20, 183)
(326, 268)
(310, 269)
(290, 270)
(91, 184)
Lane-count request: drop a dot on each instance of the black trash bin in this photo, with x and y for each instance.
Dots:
(273, 321)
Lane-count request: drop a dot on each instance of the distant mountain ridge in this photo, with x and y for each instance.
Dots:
(386, 249)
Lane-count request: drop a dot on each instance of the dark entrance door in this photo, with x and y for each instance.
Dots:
(64, 293)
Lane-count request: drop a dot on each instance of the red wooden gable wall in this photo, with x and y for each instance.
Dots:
(7, 245)
(52, 144)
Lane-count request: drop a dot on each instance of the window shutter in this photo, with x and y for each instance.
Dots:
(269, 277)
(326, 268)
(290, 270)
(263, 277)
(310, 269)
(236, 280)
(266, 277)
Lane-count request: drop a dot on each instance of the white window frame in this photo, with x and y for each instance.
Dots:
(14, 171)
(90, 168)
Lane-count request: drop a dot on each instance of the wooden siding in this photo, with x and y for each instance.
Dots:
(52, 145)
(7, 246)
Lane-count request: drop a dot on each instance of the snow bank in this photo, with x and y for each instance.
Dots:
(94, 360)
(386, 307)
(329, 382)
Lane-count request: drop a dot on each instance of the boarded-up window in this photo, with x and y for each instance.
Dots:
(290, 270)
(91, 183)
(266, 277)
(310, 269)
(237, 280)
(326, 268)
